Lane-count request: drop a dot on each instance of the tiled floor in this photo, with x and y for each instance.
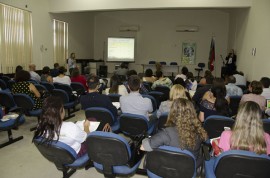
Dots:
(22, 159)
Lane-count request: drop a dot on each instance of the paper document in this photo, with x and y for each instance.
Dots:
(92, 127)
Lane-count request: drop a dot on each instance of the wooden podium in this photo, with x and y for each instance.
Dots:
(168, 70)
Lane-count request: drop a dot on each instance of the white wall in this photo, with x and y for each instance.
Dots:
(250, 29)
(157, 38)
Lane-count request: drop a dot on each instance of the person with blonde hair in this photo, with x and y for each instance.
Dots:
(177, 91)
(247, 133)
(183, 130)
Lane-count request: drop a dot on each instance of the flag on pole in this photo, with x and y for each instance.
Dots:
(211, 61)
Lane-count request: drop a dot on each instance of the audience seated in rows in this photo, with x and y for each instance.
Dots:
(23, 86)
(134, 103)
(33, 74)
(247, 133)
(255, 89)
(148, 76)
(62, 78)
(161, 80)
(240, 78)
(55, 70)
(183, 130)
(46, 77)
(51, 126)
(183, 75)
(94, 99)
(116, 87)
(214, 103)
(177, 91)
(231, 88)
(266, 90)
(76, 77)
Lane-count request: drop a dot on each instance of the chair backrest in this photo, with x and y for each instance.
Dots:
(162, 120)
(49, 86)
(234, 104)
(62, 94)
(153, 100)
(24, 101)
(6, 99)
(173, 63)
(152, 62)
(10, 84)
(32, 81)
(78, 87)
(117, 152)
(163, 63)
(242, 164)
(57, 152)
(214, 125)
(114, 97)
(165, 90)
(133, 124)
(102, 115)
(167, 161)
(158, 96)
(41, 88)
(67, 89)
(5, 78)
(266, 125)
(3, 84)
(147, 85)
(201, 65)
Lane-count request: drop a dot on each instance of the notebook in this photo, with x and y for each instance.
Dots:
(93, 125)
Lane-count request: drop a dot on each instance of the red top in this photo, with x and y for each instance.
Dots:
(81, 79)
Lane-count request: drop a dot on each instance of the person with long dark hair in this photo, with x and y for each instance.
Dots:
(51, 126)
(116, 86)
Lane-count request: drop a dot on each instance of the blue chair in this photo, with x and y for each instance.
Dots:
(165, 90)
(159, 96)
(167, 161)
(114, 97)
(118, 159)
(68, 90)
(78, 88)
(104, 116)
(10, 84)
(5, 78)
(62, 155)
(266, 125)
(152, 62)
(27, 103)
(234, 104)
(7, 101)
(135, 125)
(238, 164)
(153, 100)
(33, 81)
(48, 86)
(68, 104)
(163, 63)
(4, 86)
(173, 63)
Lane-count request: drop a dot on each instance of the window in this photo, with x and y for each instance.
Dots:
(16, 39)
(60, 41)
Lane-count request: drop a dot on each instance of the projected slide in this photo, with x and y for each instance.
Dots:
(121, 49)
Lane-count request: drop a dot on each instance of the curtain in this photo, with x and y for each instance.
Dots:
(16, 38)
(60, 41)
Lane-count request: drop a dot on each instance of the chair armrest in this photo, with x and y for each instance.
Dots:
(205, 150)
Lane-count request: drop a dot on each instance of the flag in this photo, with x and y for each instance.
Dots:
(211, 56)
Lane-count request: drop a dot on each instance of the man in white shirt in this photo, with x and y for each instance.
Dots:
(134, 103)
(266, 90)
(240, 79)
(71, 63)
(33, 74)
(232, 89)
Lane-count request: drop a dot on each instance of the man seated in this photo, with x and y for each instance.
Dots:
(134, 103)
(231, 88)
(266, 90)
(33, 74)
(94, 99)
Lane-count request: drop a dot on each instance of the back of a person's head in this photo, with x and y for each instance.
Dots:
(248, 133)
(50, 120)
(180, 81)
(131, 72)
(231, 79)
(256, 87)
(184, 70)
(159, 74)
(183, 116)
(32, 67)
(62, 70)
(209, 80)
(219, 82)
(134, 82)
(75, 72)
(221, 104)
(92, 82)
(18, 68)
(190, 75)
(148, 73)
(56, 65)
(265, 82)
(207, 73)
(177, 91)
(46, 70)
(124, 65)
(22, 76)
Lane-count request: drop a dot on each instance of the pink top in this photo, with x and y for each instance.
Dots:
(224, 142)
(260, 100)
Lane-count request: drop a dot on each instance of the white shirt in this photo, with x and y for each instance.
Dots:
(72, 135)
(71, 63)
(184, 77)
(240, 80)
(134, 103)
(266, 93)
(233, 90)
(64, 80)
(34, 76)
